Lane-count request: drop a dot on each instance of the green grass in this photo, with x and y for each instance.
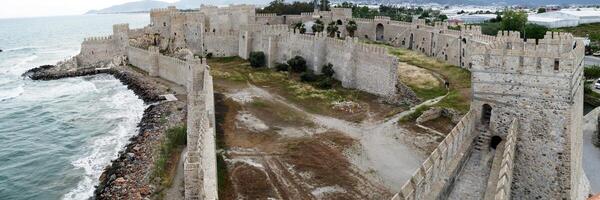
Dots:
(175, 139)
(428, 93)
(312, 97)
(591, 72)
(460, 79)
(593, 30)
(413, 116)
(223, 181)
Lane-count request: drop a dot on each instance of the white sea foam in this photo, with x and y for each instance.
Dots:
(125, 112)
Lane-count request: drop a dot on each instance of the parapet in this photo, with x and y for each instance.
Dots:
(168, 9)
(97, 39)
(382, 18)
(266, 14)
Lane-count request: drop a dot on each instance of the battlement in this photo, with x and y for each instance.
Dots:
(266, 14)
(509, 35)
(306, 14)
(383, 18)
(471, 29)
(162, 10)
(363, 20)
(97, 39)
(420, 21)
(222, 34)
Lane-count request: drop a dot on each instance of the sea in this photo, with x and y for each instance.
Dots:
(57, 136)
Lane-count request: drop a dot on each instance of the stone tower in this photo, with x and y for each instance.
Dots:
(121, 38)
(540, 84)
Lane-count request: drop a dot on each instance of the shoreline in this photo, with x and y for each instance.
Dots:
(130, 175)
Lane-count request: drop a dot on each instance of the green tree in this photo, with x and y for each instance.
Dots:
(514, 20)
(534, 31)
(541, 10)
(257, 59)
(327, 70)
(298, 64)
(351, 27)
(298, 26)
(332, 28)
(318, 26)
(442, 17)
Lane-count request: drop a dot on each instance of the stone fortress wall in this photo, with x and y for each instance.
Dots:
(437, 172)
(536, 83)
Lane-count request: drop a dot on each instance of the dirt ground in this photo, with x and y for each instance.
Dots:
(282, 139)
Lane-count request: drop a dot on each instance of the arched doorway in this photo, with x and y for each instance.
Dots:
(486, 114)
(379, 32)
(495, 141)
(410, 42)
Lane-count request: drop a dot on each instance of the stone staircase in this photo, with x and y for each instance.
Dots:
(483, 140)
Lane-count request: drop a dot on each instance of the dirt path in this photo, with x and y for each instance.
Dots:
(385, 151)
(176, 191)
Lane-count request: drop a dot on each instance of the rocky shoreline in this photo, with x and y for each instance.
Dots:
(130, 175)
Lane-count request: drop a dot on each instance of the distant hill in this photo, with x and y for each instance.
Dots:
(146, 5)
(136, 6)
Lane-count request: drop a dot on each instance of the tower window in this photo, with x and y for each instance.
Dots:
(164, 23)
(556, 64)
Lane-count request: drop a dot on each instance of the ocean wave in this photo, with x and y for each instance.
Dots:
(11, 93)
(126, 113)
(24, 48)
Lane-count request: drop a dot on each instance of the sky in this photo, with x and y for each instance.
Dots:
(36, 8)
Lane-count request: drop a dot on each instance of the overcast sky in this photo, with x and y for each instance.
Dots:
(34, 8)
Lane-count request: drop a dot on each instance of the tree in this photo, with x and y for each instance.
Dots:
(534, 31)
(442, 17)
(351, 27)
(257, 59)
(298, 26)
(514, 20)
(332, 28)
(424, 15)
(298, 64)
(308, 76)
(327, 70)
(541, 10)
(281, 8)
(497, 19)
(318, 26)
(282, 67)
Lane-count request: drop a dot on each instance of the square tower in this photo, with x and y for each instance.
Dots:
(539, 83)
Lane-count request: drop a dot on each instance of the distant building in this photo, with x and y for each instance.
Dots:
(473, 19)
(566, 18)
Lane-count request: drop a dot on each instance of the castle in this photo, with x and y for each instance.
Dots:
(527, 95)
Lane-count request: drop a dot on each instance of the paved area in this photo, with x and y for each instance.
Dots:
(591, 60)
(472, 179)
(591, 153)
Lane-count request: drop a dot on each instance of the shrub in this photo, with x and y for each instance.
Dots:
(308, 76)
(282, 67)
(327, 70)
(257, 59)
(298, 64)
(325, 83)
(591, 72)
